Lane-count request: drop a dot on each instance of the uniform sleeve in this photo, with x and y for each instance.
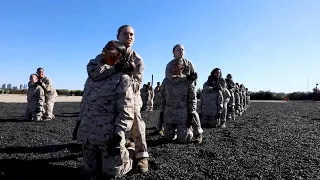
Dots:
(138, 73)
(237, 98)
(125, 105)
(170, 76)
(220, 102)
(98, 71)
(192, 69)
(223, 83)
(163, 96)
(46, 84)
(192, 98)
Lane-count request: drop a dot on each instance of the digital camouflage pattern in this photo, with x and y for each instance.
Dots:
(187, 68)
(211, 104)
(97, 71)
(150, 100)
(50, 95)
(178, 99)
(107, 109)
(157, 98)
(35, 105)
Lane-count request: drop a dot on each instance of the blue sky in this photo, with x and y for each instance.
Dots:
(266, 44)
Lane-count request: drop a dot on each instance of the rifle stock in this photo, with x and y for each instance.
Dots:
(75, 130)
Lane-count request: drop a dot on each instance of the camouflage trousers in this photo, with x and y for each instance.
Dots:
(242, 104)
(247, 102)
(34, 112)
(138, 130)
(223, 118)
(150, 105)
(184, 134)
(159, 126)
(231, 115)
(98, 162)
(144, 106)
(156, 103)
(196, 124)
(210, 121)
(49, 104)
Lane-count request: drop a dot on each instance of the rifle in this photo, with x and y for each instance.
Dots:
(75, 130)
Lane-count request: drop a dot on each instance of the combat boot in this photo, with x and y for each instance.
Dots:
(142, 165)
(161, 132)
(199, 138)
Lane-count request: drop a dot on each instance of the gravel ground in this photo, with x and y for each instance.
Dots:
(270, 141)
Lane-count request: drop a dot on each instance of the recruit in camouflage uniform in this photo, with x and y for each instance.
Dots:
(211, 105)
(231, 104)
(218, 81)
(150, 97)
(50, 93)
(157, 96)
(106, 113)
(188, 74)
(248, 97)
(35, 98)
(243, 98)
(144, 97)
(126, 36)
(237, 100)
(178, 102)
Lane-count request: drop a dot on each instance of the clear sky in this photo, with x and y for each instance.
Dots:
(265, 44)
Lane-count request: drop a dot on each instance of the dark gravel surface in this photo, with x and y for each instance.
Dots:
(270, 141)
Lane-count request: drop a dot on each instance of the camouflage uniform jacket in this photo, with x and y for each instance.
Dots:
(97, 71)
(49, 91)
(177, 100)
(107, 105)
(211, 101)
(188, 69)
(35, 95)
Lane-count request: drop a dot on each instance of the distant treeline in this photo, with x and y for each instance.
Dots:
(261, 95)
(268, 95)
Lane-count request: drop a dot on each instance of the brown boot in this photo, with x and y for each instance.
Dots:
(142, 165)
(199, 138)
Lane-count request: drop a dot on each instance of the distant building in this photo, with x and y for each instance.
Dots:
(9, 86)
(21, 86)
(3, 86)
(14, 87)
(25, 86)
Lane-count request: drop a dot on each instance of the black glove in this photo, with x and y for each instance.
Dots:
(38, 110)
(114, 146)
(192, 76)
(218, 87)
(189, 120)
(125, 67)
(161, 118)
(218, 116)
(39, 83)
(210, 83)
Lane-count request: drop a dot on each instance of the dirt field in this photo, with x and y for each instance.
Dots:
(270, 141)
(17, 98)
